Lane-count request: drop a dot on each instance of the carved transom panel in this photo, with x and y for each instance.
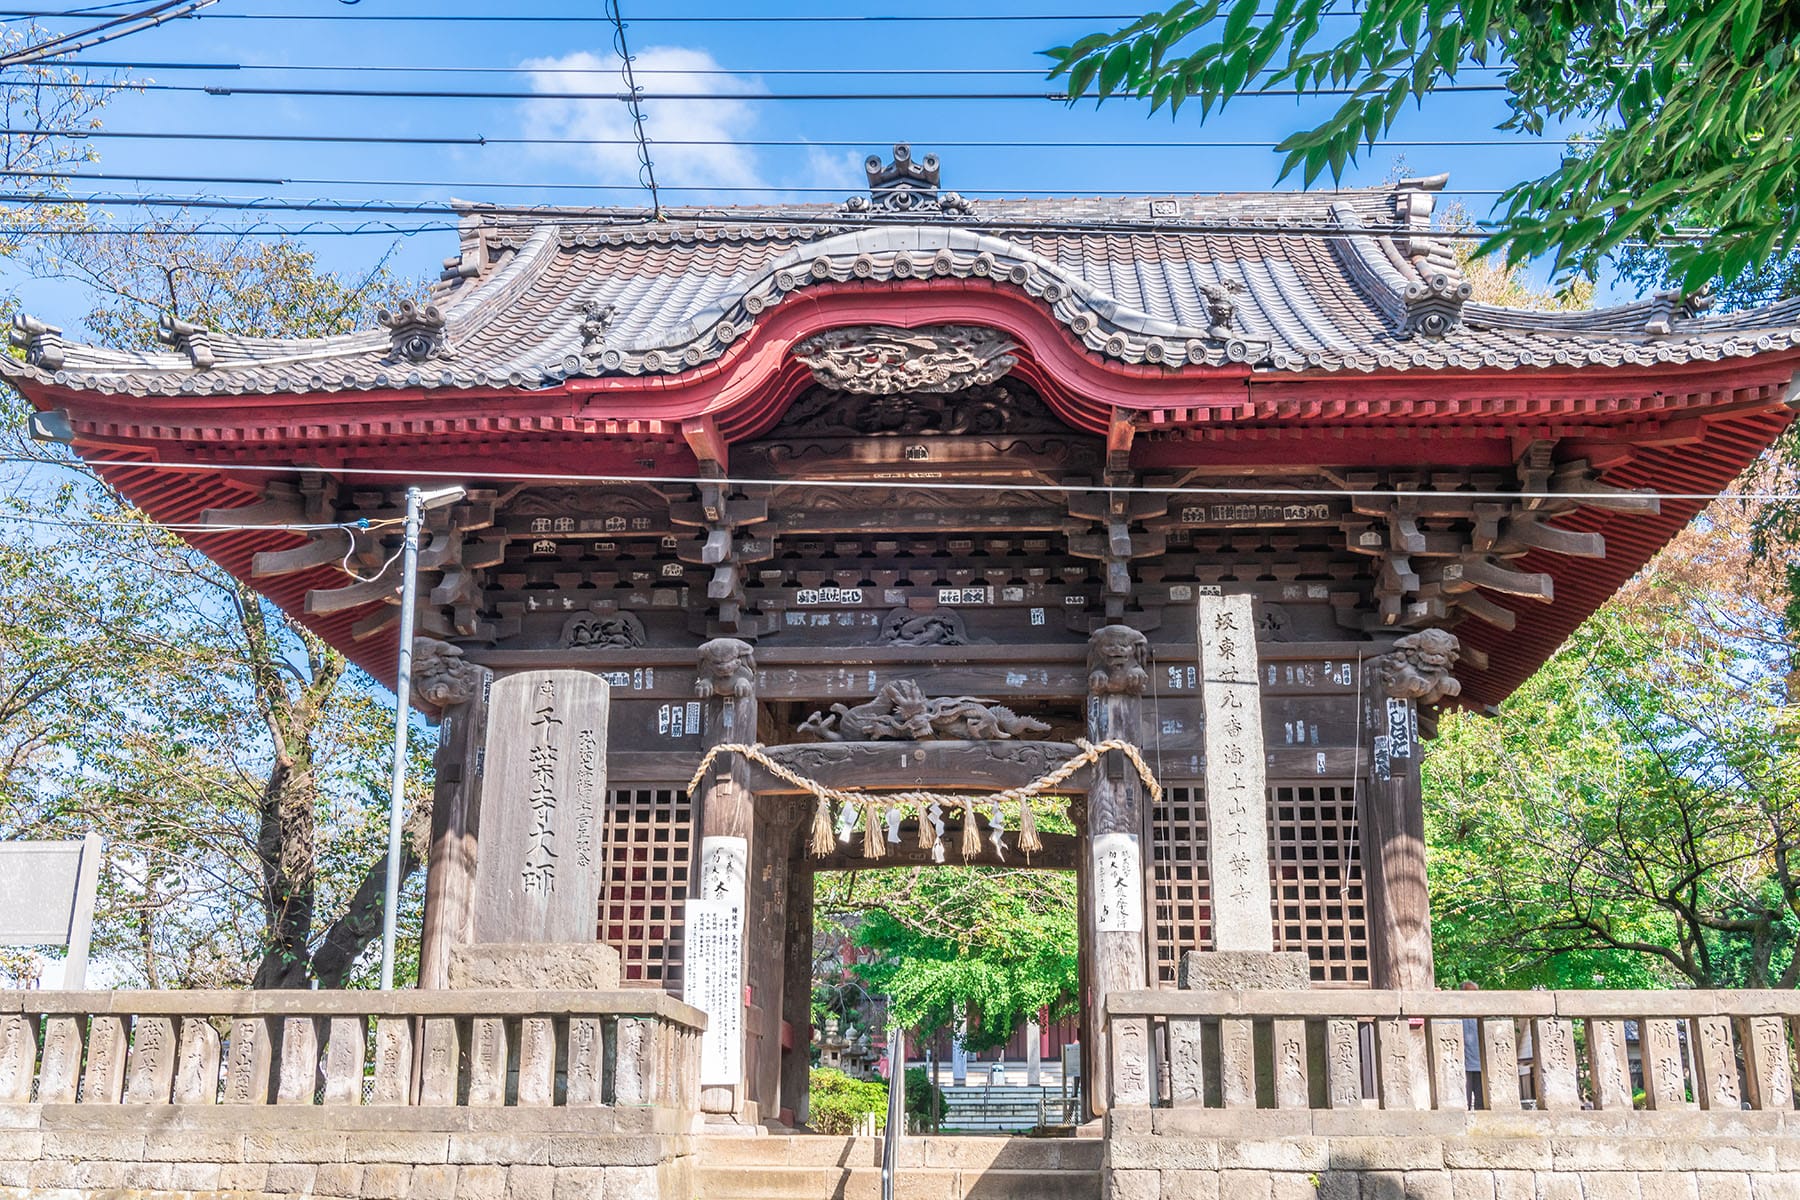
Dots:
(883, 360)
(826, 412)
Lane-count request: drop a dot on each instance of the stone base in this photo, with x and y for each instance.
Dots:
(535, 966)
(1244, 971)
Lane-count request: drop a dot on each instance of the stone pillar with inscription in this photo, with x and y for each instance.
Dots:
(1417, 672)
(458, 689)
(1237, 809)
(1114, 920)
(713, 962)
(541, 774)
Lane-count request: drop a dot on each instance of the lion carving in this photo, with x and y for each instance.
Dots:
(727, 668)
(1418, 668)
(441, 675)
(1117, 657)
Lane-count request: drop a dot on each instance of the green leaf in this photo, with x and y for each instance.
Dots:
(1114, 69)
(1081, 76)
(1242, 11)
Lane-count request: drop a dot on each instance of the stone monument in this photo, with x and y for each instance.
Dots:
(537, 870)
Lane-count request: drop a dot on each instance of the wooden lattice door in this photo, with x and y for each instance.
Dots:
(646, 842)
(1315, 878)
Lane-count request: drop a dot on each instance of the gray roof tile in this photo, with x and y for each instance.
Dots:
(1127, 287)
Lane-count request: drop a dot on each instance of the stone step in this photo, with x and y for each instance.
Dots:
(820, 1167)
(929, 1152)
(914, 1183)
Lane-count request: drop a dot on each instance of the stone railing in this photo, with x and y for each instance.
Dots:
(1566, 1051)
(406, 1049)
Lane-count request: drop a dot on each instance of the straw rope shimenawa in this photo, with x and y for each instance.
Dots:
(823, 838)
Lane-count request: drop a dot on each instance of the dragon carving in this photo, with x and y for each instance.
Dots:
(901, 712)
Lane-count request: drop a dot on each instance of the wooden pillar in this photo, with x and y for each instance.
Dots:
(796, 1003)
(714, 951)
(459, 690)
(1393, 815)
(1113, 917)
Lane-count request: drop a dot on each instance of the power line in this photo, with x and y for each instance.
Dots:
(646, 168)
(772, 215)
(760, 143)
(215, 89)
(422, 474)
(714, 19)
(749, 189)
(106, 31)
(738, 72)
(189, 527)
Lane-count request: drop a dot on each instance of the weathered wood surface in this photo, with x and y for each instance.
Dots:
(1118, 864)
(716, 914)
(1393, 850)
(455, 819)
(537, 875)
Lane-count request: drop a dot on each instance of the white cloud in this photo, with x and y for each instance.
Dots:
(676, 69)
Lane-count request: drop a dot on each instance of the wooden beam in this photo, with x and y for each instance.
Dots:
(708, 444)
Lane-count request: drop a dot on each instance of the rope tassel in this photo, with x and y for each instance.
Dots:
(874, 846)
(823, 836)
(1029, 841)
(927, 834)
(971, 836)
(971, 840)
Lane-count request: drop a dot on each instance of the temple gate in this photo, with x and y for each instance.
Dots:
(827, 518)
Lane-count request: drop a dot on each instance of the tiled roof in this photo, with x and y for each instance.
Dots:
(1283, 282)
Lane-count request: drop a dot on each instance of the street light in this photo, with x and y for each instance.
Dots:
(417, 502)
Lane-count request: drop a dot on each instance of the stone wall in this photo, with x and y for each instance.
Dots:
(80, 1151)
(1171, 1154)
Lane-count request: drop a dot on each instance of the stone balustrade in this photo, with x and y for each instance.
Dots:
(409, 1048)
(433, 1095)
(1404, 1051)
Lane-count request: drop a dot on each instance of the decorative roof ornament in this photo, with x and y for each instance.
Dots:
(1670, 306)
(905, 186)
(42, 344)
(415, 331)
(884, 360)
(1434, 301)
(192, 340)
(596, 319)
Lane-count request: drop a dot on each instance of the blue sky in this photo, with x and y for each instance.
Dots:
(739, 64)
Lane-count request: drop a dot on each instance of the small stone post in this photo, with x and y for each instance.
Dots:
(714, 950)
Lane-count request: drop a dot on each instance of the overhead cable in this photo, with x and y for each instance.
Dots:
(1233, 490)
(733, 72)
(634, 95)
(683, 19)
(773, 215)
(747, 189)
(218, 89)
(760, 143)
(107, 31)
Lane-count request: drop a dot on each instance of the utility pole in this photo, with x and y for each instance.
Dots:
(416, 504)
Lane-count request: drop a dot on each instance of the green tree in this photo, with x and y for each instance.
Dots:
(235, 761)
(1000, 943)
(1630, 817)
(1692, 105)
